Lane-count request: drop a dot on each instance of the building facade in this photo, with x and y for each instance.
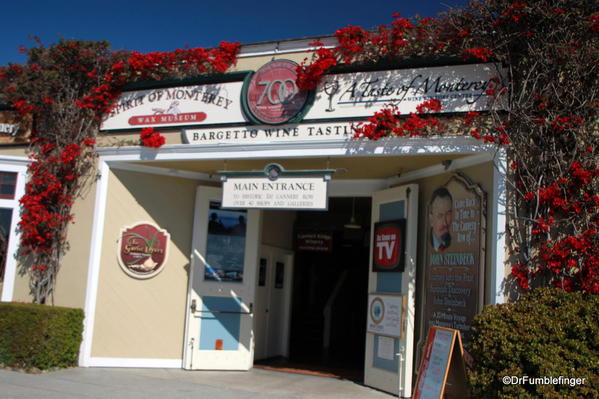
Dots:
(263, 229)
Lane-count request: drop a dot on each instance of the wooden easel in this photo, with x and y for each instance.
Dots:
(442, 372)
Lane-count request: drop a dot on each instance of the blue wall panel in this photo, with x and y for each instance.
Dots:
(385, 364)
(388, 283)
(223, 326)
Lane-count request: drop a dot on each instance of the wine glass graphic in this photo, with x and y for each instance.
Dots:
(331, 87)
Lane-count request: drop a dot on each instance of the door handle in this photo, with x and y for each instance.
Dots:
(194, 309)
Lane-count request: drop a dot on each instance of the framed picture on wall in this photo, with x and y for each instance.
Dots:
(279, 274)
(262, 272)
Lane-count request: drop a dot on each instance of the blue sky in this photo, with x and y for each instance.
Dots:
(153, 25)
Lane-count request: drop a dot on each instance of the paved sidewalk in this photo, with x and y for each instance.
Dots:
(175, 383)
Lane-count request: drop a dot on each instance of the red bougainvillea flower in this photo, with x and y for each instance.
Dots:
(429, 106)
(351, 41)
(151, 138)
(482, 54)
(24, 107)
(388, 122)
(308, 76)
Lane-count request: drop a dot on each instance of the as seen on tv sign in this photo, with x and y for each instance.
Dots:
(389, 246)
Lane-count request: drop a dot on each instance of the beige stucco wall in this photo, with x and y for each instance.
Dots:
(144, 318)
(277, 228)
(253, 63)
(132, 138)
(71, 283)
(72, 277)
(14, 151)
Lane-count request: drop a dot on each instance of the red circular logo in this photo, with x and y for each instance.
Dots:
(272, 95)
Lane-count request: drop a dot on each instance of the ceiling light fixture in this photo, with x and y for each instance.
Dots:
(352, 221)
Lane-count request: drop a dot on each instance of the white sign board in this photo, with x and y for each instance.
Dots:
(7, 128)
(386, 349)
(385, 314)
(282, 193)
(459, 88)
(177, 106)
(269, 134)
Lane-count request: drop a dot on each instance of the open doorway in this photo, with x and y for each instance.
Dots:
(329, 291)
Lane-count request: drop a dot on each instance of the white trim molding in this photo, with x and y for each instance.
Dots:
(450, 166)
(14, 161)
(135, 362)
(17, 165)
(301, 149)
(285, 47)
(93, 273)
(184, 174)
(498, 227)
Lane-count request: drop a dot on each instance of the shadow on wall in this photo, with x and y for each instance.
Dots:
(168, 201)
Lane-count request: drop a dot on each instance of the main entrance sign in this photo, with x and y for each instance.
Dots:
(272, 96)
(276, 188)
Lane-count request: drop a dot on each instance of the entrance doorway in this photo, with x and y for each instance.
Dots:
(222, 321)
(329, 291)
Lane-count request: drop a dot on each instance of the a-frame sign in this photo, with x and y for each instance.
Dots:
(442, 372)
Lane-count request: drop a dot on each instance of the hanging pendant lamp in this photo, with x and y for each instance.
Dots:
(352, 221)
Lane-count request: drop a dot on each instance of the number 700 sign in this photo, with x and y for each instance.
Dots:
(278, 91)
(272, 96)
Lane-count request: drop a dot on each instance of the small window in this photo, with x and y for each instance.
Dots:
(8, 182)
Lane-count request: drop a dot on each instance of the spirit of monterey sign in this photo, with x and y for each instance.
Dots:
(176, 106)
(276, 188)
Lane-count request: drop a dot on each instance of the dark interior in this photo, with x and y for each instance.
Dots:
(316, 274)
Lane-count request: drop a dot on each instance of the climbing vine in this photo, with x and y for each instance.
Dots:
(67, 88)
(549, 126)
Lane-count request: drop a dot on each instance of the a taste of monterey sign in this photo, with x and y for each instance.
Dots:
(267, 105)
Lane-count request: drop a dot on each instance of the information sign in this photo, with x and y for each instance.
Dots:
(283, 193)
(386, 314)
(442, 372)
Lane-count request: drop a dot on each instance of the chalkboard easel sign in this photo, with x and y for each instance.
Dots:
(442, 371)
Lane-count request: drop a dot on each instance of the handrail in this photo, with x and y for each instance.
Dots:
(221, 311)
(326, 337)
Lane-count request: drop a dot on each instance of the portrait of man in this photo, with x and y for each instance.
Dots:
(440, 217)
